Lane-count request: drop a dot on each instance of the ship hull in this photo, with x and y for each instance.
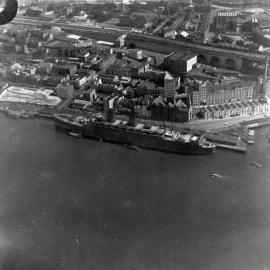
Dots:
(137, 138)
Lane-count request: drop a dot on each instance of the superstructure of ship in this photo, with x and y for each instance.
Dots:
(130, 133)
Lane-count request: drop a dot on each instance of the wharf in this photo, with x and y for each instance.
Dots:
(256, 123)
(244, 133)
(227, 142)
(44, 115)
(236, 148)
(18, 114)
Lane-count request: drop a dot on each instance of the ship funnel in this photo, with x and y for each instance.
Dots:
(132, 121)
(111, 116)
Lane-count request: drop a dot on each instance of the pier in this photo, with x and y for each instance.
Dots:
(18, 114)
(227, 142)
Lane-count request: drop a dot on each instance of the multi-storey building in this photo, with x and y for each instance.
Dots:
(146, 88)
(169, 85)
(244, 108)
(67, 69)
(266, 81)
(206, 93)
(227, 21)
(164, 109)
(127, 67)
(237, 2)
(142, 111)
(180, 63)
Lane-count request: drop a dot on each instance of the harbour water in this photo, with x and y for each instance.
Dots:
(71, 203)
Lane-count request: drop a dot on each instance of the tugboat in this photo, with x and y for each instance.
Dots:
(132, 147)
(255, 164)
(75, 134)
(215, 175)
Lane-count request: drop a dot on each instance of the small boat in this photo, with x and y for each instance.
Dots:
(75, 134)
(255, 164)
(253, 125)
(132, 147)
(251, 134)
(216, 175)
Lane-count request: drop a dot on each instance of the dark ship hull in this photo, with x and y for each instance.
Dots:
(127, 136)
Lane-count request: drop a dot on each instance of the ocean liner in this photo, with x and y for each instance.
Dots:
(133, 134)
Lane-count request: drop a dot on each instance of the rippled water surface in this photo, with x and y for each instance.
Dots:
(69, 203)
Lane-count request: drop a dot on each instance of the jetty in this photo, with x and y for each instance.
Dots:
(18, 114)
(227, 142)
(257, 123)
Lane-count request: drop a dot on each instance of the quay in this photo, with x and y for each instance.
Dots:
(231, 139)
(18, 114)
(257, 123)
(227, 142)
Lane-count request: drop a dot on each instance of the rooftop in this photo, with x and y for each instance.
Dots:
(128, 62)
(237, 105)
(261, 16)
(101, 42)
(181, 55)
(56, 44)
(228, 13)
(168, 76)
(74, 36)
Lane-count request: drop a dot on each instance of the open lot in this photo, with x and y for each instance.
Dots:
(26, 95)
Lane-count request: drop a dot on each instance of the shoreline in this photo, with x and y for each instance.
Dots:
(232, 137)
(29, 110)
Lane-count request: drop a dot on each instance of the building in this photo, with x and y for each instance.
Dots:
(180, 63)
(142, 111)
(67, 46)
(165, 109)
(125, 81)
(227, 110)
(108, 78)
(109, 103)
(138, 19)
(146, 88)
(170, 34)
(121, 40)
(7, 39)
(79, 82)
(226, 21)
(208, 73)
(67, 69)
(65, 90)
(261, 21)
(107, 89)
(136, 54)
(106, 62)
(169, 85)
(236, 2)
(127, 67)
(144, 19)
(90, 95)
(209, 93)
(79, 104)
(266, 81)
